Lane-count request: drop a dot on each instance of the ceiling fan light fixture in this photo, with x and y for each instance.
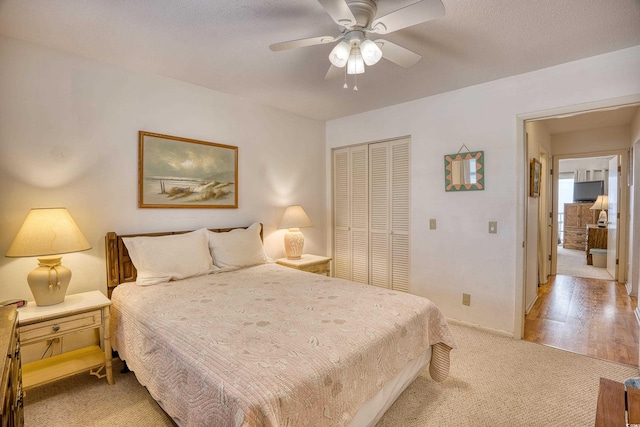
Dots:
(340, 54)
(371, 53)
(355, 64)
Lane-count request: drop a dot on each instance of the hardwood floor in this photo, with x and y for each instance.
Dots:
(587, 316)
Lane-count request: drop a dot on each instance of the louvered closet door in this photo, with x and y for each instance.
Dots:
(341, 214)
(351, 214)
(389, 167)
(379, 217)
(400, 214)
(371, 197)
(359, 179)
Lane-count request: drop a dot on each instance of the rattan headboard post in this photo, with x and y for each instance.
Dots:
(120, 269)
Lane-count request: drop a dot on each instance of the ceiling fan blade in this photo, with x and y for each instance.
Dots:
(398, 54)
(414, 14)
(339, 12)
(334, 72)
(303, 43)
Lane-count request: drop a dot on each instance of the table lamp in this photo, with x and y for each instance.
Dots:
(46, 233)
(602, 203)
(294, 218)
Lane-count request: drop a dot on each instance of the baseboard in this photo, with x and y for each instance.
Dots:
(629, 288)
(531, 305)
(637, 313)
(480, 327)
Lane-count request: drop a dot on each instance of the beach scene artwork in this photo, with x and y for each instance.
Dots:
(180, 172)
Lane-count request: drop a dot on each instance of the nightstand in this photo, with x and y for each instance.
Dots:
(11, 403)
(78, 312)
(311, 263)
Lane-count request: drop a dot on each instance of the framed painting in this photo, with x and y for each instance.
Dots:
(534, 178)
(176, 172)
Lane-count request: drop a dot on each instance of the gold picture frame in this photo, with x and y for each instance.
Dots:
(534, 178)
(175, 172)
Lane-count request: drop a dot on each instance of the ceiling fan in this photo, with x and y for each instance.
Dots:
(358, 21)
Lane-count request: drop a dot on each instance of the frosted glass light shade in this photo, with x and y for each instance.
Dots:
(49, 231)
(371, 53)
(340, 54)
(294, 218)
(355, 64)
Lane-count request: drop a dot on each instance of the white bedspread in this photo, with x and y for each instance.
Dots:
(269, 345)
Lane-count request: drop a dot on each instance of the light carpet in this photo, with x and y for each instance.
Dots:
(494, 381)
(572, 262)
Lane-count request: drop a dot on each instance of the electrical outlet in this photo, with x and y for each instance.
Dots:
(466, 299)
(432, 224)
(493, 227)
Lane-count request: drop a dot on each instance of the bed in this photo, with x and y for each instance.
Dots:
(252, 343)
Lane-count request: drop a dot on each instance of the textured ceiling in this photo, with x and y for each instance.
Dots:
(224, 44)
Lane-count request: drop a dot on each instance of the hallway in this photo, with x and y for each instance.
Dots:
(587, 316)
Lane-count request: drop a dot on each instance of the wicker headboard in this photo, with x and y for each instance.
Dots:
(120, 269)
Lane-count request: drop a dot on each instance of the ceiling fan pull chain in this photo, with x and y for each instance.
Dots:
(346, 86)
(355, 82)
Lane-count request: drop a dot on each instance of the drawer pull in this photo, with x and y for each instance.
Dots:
(56, 328)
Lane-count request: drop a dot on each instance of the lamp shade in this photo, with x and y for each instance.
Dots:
(48, 231)
(602, 202)
(295, 217)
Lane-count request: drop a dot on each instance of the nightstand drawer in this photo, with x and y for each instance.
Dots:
(60, 326)
(317, 268)
(310, 263)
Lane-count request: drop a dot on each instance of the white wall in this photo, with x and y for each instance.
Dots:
(588, 163)
(68, 137)
(460, 256)
(591, 141)
(634, 207)
(538, 142)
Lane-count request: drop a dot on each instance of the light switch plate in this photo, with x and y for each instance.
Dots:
(432, 224)
(493, 227)
(466, 299)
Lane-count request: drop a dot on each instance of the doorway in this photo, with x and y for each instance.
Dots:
(576, 142)
(581, 186)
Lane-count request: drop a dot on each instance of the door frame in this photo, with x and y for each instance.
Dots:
(522, 193)
(621, 233)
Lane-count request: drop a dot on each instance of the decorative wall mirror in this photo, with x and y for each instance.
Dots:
(464, 171)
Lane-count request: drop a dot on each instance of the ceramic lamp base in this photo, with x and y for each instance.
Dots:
(49, 281)
(602, 219)
(293, 243)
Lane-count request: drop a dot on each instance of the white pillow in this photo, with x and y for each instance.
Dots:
(162, 258)
(238, 248)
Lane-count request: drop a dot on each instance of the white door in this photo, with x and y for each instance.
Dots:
(359, 179)
(389, 193)
(400, 214)
(379, 214)
(612, 217)
(341, 215)
(544, 222)
(351, 215)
